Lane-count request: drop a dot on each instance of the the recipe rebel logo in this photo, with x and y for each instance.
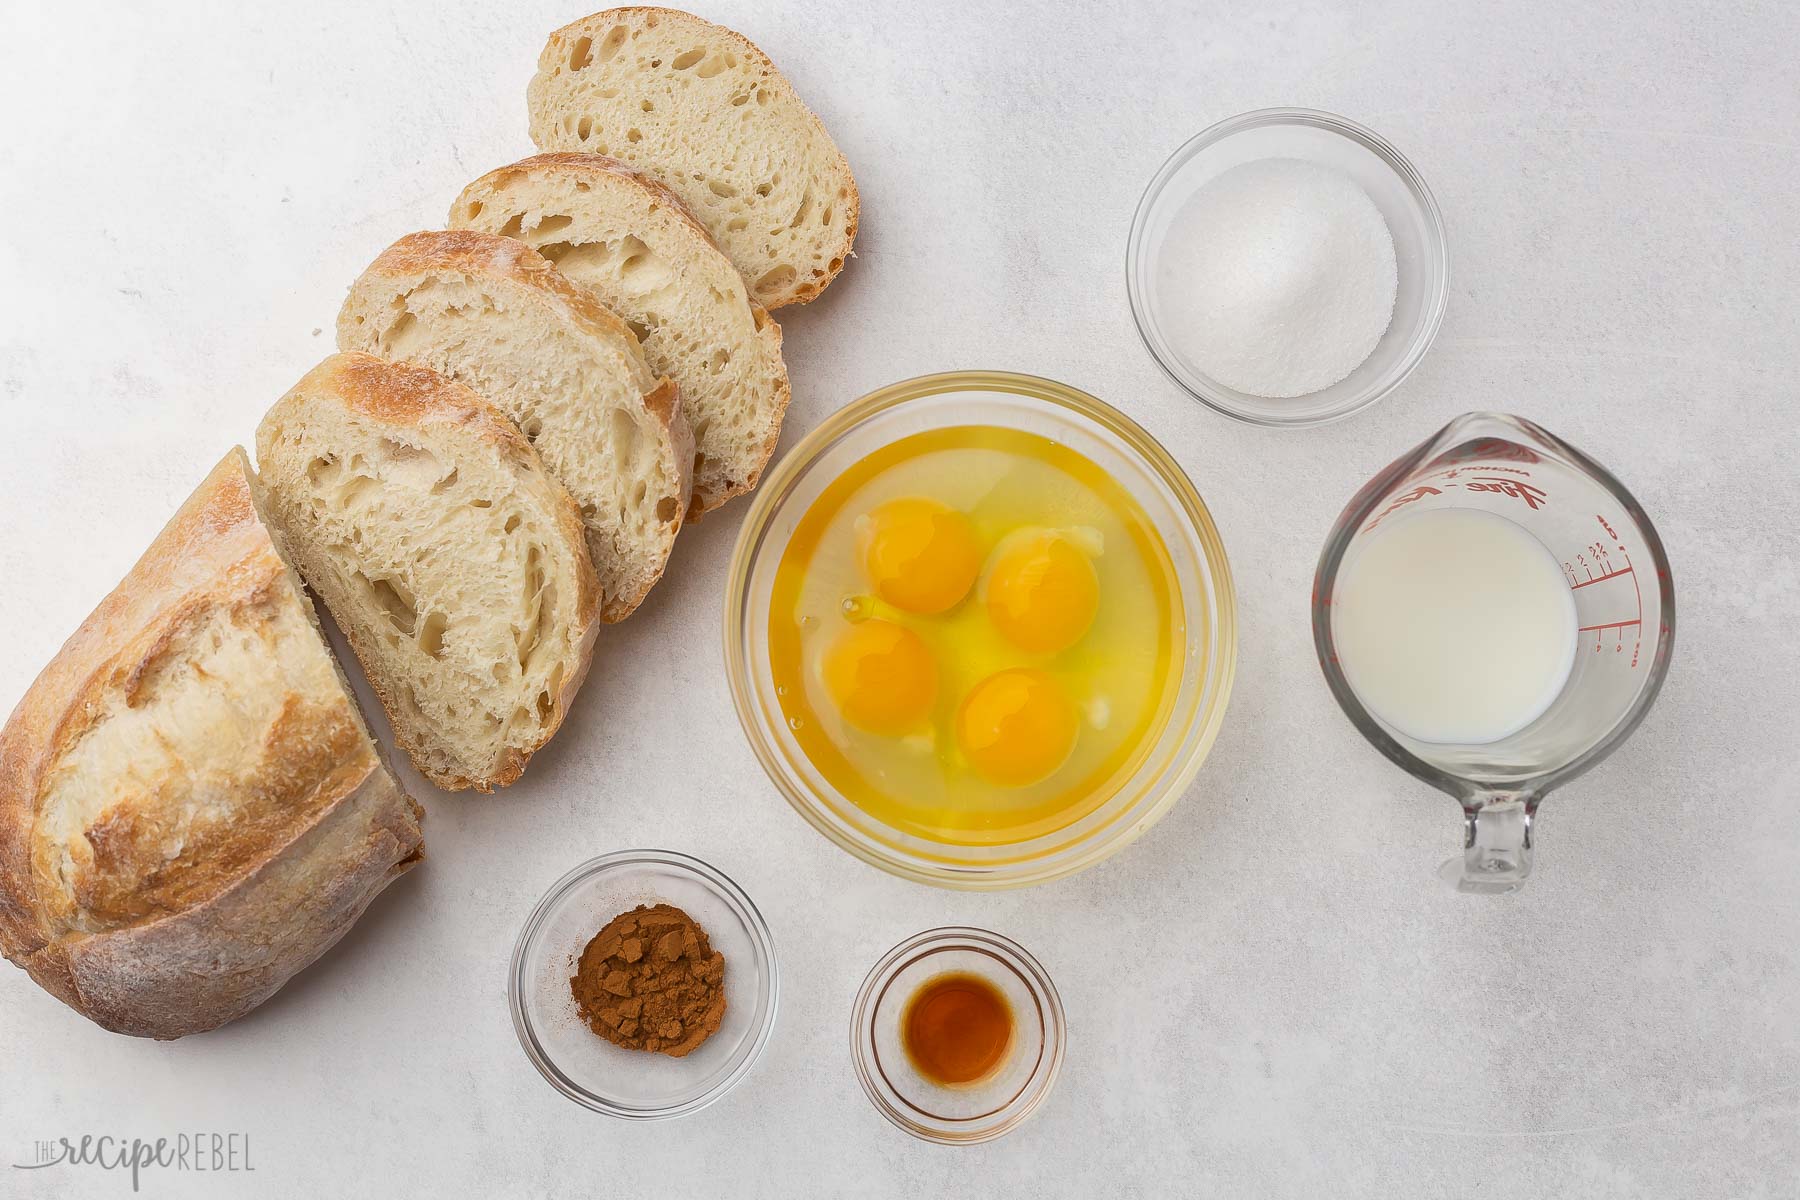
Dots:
(193, 1153)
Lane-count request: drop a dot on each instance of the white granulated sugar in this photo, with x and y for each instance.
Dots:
(1278, 277)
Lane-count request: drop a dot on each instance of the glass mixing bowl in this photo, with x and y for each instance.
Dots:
(585, 1067)
(1422, 263)
(1141, 466)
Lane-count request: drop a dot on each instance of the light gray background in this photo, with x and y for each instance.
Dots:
(1271, 994)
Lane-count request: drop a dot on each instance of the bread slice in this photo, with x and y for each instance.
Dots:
(493, 313)
(632, 243)
(191, 808)
(701, 110)
(456, 567)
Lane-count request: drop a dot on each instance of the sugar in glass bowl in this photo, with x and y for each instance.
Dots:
(1421, 260)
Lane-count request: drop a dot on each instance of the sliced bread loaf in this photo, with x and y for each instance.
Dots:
(191, 808)
(455, 565)
(493, 313)
(636, 247)
(705, 113)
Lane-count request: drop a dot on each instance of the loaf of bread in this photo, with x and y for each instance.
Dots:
(701, 110)
(191, 809)
(636, 247)
(455, 565)
(493, 313)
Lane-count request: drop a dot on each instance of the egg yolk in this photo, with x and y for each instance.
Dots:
(920, 555)
(1016, 727)
(1042, 592)
(881, 676)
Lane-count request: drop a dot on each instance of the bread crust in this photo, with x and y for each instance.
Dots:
(768, 330)
(663, 402)
(402, 394)
(601, 163)
(474, 252)
(235, 926)
(479, 254)
(418, 397)
(556, 49)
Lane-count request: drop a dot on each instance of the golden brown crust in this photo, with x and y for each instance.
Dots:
(401, 394)
(208, 534)
(664, 403)
(481, 255)
(581, 161)
(555, 50)
(143, 859)
(196, 970)
(474, 252)
(769, 330)
(577, 163)
(158, 918)
(809, 291)
(408, 397)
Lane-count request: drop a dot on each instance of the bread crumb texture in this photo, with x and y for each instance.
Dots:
(454, 564)
(492, 313)
(635, 246)
(704, 112)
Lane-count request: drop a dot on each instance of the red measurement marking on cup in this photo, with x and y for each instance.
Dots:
(1594, 565)
(1591, 566)
(1601, 578)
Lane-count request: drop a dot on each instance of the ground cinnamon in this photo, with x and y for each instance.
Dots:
(650, 980)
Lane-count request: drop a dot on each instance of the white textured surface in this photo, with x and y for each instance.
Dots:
(1271, 994)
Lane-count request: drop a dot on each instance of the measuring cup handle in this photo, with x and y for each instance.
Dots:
(1496, 853)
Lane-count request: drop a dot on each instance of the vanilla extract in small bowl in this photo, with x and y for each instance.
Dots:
(957, 1035)
(957, 1029)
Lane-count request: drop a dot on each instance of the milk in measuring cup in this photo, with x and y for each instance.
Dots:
(1454, 625)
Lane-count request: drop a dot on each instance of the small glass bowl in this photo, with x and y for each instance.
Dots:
(1421, 259)
(981, 1111)
(587, 1068)
(1140, 465)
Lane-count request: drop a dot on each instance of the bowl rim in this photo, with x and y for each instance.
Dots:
(1219, 672)
(1436, 299)
(717, 882)
(1037, 1086)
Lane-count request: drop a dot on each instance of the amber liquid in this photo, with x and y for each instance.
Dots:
(957, 1029)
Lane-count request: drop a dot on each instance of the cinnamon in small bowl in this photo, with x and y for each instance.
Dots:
(644, 985)
(650, 980)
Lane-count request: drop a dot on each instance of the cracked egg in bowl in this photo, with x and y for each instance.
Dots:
(981, 629)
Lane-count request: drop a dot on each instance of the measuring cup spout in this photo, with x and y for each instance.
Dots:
(1496, 853)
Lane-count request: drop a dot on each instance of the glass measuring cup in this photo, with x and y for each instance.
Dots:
(1624, 599)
